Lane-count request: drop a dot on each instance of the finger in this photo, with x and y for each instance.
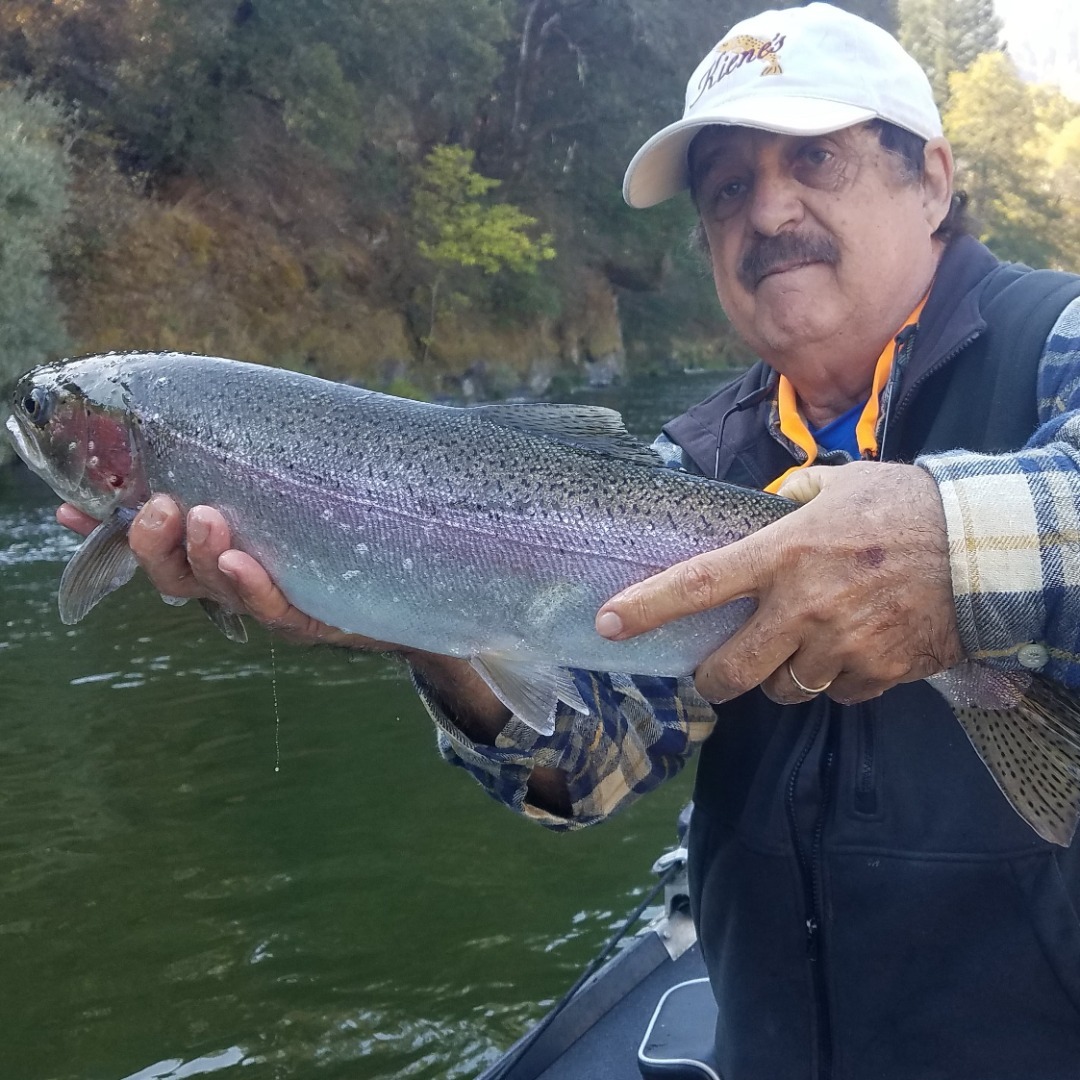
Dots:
(73, 518)
(208, 536)
(256, 592)
(258, 596)
(850, 690)
(733, 669)
(157, 541)
(804, 485)
(789, 684)
(705, 581)
(747, 658)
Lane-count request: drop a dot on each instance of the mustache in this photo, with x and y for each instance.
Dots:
(769, 252)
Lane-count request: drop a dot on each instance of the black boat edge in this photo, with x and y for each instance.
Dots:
(646, 1012)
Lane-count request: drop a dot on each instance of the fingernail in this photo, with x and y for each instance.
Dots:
(197, 529)
(154, 517)
(609, 625)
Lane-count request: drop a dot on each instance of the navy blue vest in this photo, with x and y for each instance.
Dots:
(869, 905)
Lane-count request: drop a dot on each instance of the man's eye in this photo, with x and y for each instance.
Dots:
(818, 167)
(731, 189)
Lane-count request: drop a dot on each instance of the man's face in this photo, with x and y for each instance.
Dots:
(813, 240)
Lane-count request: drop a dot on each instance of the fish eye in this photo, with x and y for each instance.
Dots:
(38, 406)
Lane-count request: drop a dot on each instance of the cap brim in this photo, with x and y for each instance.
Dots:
(659, 169)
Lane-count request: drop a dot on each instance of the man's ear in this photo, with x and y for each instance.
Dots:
(937, 181)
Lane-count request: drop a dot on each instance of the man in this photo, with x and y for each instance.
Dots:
(868, 904)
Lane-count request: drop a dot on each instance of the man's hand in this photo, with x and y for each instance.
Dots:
(853, 590)
(195, 559)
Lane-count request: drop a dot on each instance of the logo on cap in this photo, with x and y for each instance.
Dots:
(733, 53)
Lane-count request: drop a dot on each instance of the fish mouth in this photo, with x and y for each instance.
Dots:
(27, 450)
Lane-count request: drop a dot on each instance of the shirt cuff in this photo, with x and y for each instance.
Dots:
(503, 768)
(995, 552)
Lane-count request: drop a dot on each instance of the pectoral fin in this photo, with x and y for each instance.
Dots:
(100, 566)
(530, 691)
(104, 562)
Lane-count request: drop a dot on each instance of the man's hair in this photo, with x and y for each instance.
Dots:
(908, 150)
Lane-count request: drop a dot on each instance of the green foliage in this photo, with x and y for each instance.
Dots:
(322, 105)
(882, 12)
(457, 226)
(366, 74)
(34, 179)
(404, 388)
(679, 324)
(946, 36)
(991, 122)
(1062, 157)
(1063, 160)
(235, 129)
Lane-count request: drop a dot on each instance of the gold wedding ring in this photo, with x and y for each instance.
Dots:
(807, 689)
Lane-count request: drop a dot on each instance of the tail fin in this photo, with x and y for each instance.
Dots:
(1033, 752)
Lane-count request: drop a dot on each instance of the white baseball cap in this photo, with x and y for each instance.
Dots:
(798, 71)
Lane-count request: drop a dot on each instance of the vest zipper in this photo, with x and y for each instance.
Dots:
(913, 389)
(865, 780)
(813, 901)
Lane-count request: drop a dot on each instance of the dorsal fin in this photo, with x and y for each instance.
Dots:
(588, 426)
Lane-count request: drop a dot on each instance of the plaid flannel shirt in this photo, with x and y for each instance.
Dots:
(1014, 537)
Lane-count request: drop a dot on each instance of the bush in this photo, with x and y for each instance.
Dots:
(34, 177)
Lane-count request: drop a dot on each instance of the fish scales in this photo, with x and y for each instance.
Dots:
(429, 526)
(491, 533)
(482, 541)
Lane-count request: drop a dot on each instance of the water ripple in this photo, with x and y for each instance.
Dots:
(178, 1069)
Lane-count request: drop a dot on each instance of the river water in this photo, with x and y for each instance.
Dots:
(248, 861)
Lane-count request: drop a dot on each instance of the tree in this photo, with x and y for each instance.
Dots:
(945, 36)
(989, 121)
(458, 228)
(307, 119)
(376, 72)
(1063, 162)
(34, 178)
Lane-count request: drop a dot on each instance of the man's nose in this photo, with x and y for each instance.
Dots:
(775, 202)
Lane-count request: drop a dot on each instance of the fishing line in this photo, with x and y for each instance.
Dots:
(277, 711)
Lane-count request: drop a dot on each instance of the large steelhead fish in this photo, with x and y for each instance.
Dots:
(491, 533)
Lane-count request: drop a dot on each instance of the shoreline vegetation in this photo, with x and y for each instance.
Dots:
(418, 196)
